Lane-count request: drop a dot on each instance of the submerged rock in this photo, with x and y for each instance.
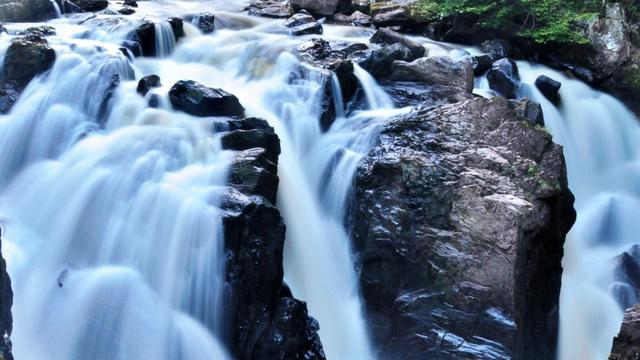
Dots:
(205, 22)
(27, 11)
(145, 35)
(27, 57)
(436, 70)
(472, 201)
(504, 78)
(388, 37)
(199, 100)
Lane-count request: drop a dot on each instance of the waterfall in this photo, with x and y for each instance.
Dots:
(165, 38)
(599, 136)
(376, 97)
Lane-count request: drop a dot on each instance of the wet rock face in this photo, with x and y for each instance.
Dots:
(388, 37)
(27, 57)
(626, 346)
(146, 83)
(199, 100)
(436, 70)
(303, 23)
(205, 22)
(271, 8)
(26, 11)
(504, 78)
(268, 322)
(472, 201)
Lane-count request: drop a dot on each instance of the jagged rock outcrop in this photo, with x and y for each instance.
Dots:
(435, 70)
(458, 223)
(26, 10)
(626, 346)
(268, 322)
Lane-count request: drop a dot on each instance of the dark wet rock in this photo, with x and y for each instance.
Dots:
(624, 84)
(472, 201)
(127, 11)
(199, 100)
(626, 346)
(145, 35)
(205, 22)
(319, 7)
(2, 29)
(388, 37)
(27, 11)
(9, 94)
(271, 8)
(481, 64)
(504, 78)
(268, 323)
(254, 138)
(436, 70)
(91, 5)
(497, 49)
(416, 94)
(27, 57)
(146, 83)
(378, 61)
(361, 6)
(132, 3)
(549, 88)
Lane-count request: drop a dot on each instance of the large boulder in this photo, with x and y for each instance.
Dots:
(199, 100)
(472, 201)
(388, 37)
(436, 70)
(626, 346)
(26, 10)
(504, 78)
(268, 322)
(27, 57)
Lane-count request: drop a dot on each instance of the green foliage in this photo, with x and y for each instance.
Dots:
(543, 21)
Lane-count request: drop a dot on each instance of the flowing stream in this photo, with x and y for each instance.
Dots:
(112, 208)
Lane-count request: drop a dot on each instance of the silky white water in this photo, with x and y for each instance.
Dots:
(114, 235)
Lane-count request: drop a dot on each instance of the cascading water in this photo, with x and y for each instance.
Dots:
(132, 267)
(598, 135)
